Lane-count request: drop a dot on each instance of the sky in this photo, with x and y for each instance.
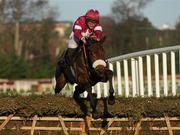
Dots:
(159, 12)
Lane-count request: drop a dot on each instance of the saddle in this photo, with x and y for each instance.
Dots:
(70, 67)
(66, 62)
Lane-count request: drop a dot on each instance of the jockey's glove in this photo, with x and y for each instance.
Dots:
(95, 38)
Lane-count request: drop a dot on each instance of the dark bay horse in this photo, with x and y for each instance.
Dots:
(88, 68)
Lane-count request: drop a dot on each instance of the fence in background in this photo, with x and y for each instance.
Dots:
(153, 72)
(38, 85)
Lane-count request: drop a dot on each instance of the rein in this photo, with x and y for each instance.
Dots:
(86, 61)
(85, 54)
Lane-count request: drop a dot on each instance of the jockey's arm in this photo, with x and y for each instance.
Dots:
(78, 30)
(78, 35)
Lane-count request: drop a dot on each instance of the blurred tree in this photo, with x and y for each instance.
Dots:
(131, 26)
(133, 34)
(68, 31)
(64, 43)
(178, 24)
(177, 32)
(124, 9)
(109, 29)
(21, 11)
(12, 66)
(2, 7)
(32, 41)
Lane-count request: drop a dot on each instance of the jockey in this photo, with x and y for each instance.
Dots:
(84, 27)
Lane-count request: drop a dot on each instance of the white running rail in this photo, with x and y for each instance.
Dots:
(147, 73)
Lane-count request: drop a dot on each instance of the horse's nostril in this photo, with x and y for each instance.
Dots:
(100, 72)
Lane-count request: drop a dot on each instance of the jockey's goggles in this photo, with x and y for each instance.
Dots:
(91, 20)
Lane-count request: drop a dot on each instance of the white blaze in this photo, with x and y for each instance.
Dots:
(99, 62)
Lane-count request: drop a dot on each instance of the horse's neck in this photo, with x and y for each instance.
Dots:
(80, 68)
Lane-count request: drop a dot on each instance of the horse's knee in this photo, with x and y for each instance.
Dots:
(78, 91)
(60, 83)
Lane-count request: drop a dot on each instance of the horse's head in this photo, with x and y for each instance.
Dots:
(97, 54)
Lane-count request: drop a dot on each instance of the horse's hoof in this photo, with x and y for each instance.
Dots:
(107, 115)
(95, 115)
(111, 100)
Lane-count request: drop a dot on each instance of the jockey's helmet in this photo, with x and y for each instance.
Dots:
(92, 15)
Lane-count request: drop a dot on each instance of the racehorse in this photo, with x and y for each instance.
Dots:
(89, 68)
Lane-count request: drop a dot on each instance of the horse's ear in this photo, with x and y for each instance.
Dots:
(103, 39)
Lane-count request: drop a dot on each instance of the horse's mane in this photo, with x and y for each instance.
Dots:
(96, 47)
(91, 41)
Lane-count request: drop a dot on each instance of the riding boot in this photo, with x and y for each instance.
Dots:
(71, 55)
(61, 61)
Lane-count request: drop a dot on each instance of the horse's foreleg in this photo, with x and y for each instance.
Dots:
(111, 99)
(95, 114)
(60, 80)
(78, 99)
(78, 90)
(106, 112)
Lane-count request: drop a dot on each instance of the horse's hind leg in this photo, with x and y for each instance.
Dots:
(60, 80)
(93, 101)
